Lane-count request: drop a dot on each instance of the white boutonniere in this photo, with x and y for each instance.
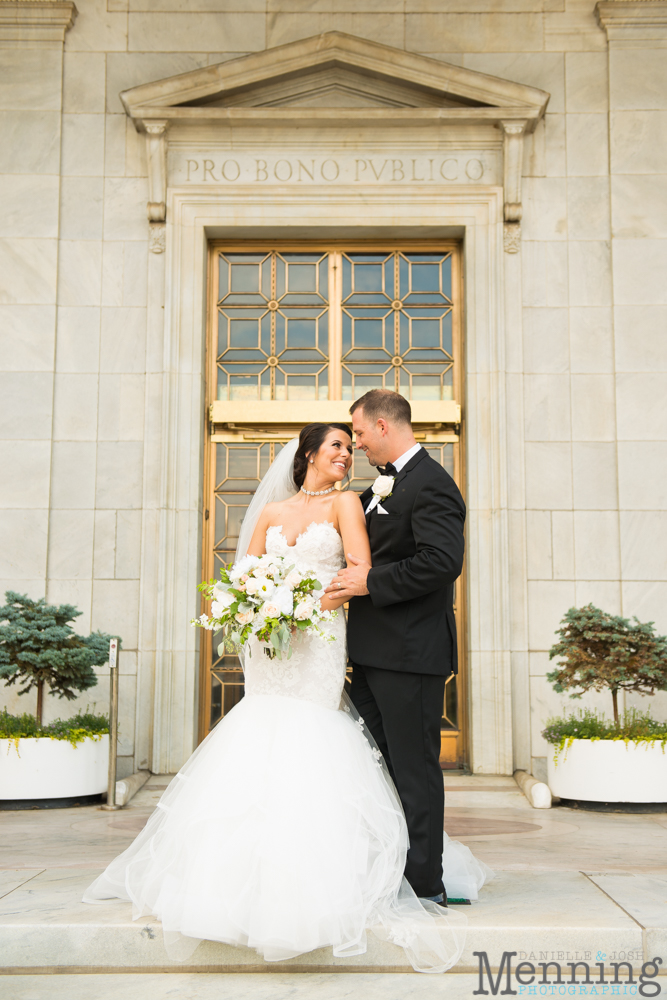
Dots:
(383, 487)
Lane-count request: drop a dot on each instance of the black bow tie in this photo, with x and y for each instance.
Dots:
(389, 469)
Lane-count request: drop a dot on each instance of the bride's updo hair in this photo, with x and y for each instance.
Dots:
(311, 439)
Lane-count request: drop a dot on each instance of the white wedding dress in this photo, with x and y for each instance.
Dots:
(283, 832)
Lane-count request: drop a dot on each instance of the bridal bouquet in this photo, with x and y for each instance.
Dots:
(267, 597)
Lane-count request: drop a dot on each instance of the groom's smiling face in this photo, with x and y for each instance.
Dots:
(370, 437)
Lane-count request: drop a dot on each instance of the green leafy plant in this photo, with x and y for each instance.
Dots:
(633, 727)
(38, 647)
(82, 726)
(601, 651)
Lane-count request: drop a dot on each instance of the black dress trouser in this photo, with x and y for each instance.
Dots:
(403, 712)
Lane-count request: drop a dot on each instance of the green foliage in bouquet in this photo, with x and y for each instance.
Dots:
(38, 647)
(239, 612)
(633, 727)
(82, 726)
(605, 652)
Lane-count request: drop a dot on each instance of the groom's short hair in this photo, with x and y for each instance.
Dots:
(383, 403)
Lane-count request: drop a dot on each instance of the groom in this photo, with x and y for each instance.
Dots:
(401, 629)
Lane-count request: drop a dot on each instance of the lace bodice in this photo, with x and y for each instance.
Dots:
(316, 670)
(318, 548)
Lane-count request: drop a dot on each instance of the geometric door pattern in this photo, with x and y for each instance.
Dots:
(313, 324)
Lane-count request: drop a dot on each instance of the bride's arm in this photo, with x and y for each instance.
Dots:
(352, 528)
(257, 545)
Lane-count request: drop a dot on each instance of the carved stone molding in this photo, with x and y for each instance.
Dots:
(513, 132)
(156, 150)
(157, 242)
(511, 237)
(40, 21)
(629, 21)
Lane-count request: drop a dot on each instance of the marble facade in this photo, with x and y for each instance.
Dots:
(547, 161)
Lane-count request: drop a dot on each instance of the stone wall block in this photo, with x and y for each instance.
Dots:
(546, 345)
(590, 272)
(119, 474)
(642, 475)
(587, 145)
(588, 208)
(28, 271)
(538, 544)
(594, 475)
(83, 82)
(547, 603)
(116, 609)
(29, 205)
(27, 335)
(596, 544)
(549, 475)
(26, 405)
(591, 339)
(642, 414)
(23, 540)
(104, 547)
(25, 474)
(71, 544)
(81, 208)
(30, 79)
(123, 341)
(547, 407)
(643, 545)
(586, 87)
(78, 343)
(121, 412)
(73, 475)
(562, 540)
(75, 409)
(79, 273)
(593, 408)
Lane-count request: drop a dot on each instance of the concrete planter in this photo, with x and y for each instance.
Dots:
(52, 769)
(609, 771)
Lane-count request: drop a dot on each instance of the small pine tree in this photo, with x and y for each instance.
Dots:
(38, 647)
(602, 651)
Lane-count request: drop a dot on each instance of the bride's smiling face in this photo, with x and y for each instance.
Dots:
(334, 457)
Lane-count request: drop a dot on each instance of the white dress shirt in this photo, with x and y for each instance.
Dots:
(398, 465)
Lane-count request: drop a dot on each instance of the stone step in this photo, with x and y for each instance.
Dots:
(542, 916)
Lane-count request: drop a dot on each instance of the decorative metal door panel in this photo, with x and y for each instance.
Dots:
(295, 334)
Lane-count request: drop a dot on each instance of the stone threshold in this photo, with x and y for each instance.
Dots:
(541, 916)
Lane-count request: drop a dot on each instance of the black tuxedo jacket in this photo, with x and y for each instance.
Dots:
(406, 622)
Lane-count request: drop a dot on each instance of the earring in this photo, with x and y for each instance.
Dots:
(311, 461)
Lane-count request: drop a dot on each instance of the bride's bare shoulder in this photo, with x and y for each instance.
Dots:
(348, 502)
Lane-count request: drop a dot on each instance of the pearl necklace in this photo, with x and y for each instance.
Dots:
(317, 493)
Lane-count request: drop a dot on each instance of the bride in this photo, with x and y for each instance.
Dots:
(283, 832)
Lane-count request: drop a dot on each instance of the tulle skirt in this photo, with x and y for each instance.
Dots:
(283, 833)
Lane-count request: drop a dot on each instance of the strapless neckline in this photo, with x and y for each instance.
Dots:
(313, 524)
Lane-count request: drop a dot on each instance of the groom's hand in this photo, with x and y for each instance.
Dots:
(350, 582)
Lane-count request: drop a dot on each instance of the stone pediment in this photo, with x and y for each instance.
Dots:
(317, 76)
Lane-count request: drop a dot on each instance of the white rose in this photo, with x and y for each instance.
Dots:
(222, 602)
(284, 598)
(244, 617)
(252, 586)
(383, 486)
(270, 609)
(303, 610)
(293, 579)
(242, 567)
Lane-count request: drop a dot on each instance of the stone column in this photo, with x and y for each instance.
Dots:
(637, 33)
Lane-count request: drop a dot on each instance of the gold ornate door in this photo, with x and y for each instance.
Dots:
(296, 332)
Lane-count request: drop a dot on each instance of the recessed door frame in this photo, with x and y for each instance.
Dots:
(175, 442)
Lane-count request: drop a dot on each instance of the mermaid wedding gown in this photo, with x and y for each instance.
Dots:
(283, 832)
